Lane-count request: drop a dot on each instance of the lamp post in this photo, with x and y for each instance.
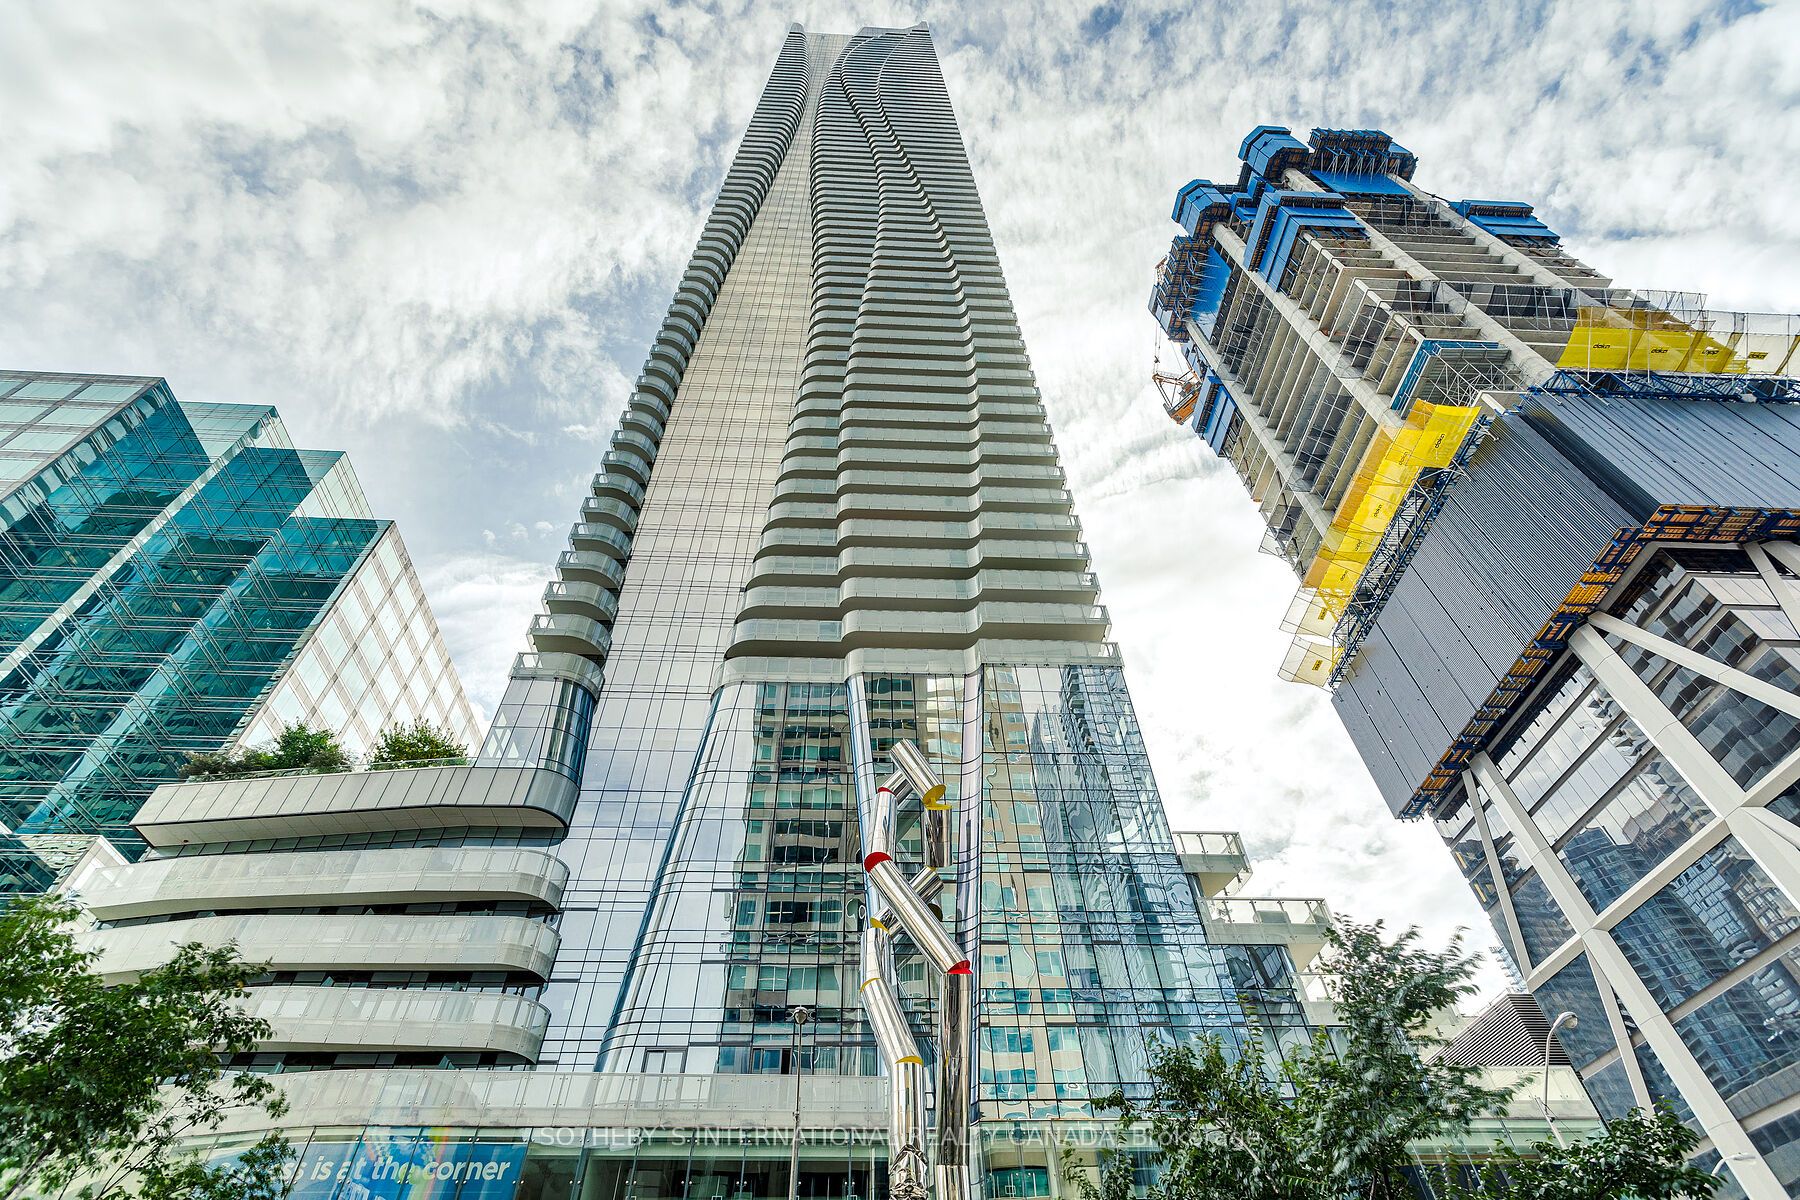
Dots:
(799, 1015)
(1724, 1161)
(1562, 1018)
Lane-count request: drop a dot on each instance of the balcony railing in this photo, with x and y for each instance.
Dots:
(1271, 911)
(1216, 860)
(1213, 843)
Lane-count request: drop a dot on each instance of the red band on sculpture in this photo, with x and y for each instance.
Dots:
(876, 859)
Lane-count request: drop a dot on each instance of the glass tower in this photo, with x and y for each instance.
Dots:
(1545, 534)
(832, 517)
(177, 578)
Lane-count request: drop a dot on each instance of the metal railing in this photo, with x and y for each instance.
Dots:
(1269, 911)
(1209, 842)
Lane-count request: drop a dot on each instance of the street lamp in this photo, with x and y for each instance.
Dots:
(799, 1015)
(1719, 1167)
(1562, 1018)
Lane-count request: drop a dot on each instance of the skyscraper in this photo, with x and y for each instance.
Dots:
(832, 518)
(175, 579)
(1545, 534)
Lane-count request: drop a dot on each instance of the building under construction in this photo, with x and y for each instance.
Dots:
(1544, 529)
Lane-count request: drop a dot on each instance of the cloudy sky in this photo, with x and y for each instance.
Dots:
(439, 235)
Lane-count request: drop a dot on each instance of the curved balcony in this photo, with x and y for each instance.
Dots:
(339, 941)
(630, 462)
(643, 419)
(591, 566)
(570, 667)
(1216, 861)
(927, 628)
(611, 484)
(164, 886)
(609, 511)
(208, 812)
(566, 633)
(581, 599)
(402, 1019)
(1300, 925)
(587, 535)
(632, 439)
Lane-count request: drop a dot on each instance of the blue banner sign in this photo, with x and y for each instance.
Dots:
(407, 1165)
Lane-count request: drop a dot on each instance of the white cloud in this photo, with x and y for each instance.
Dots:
(483, 603)
(439, 235)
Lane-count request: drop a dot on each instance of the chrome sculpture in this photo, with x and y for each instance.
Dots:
(907, 905)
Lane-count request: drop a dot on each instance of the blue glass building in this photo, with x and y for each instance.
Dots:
(174, 579)
(1545, 533)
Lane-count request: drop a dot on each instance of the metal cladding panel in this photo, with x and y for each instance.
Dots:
(1271, 149)
(1220, 425)
(1416, 633)
(1467, 605)
(1389, 720)
(1209, 296)
(1515, 535)
(1528, 524)
(1390, 777)
(1649, 451)
(1359, 183)
(1193, 201)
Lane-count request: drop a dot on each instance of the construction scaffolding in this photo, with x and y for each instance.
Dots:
(1432, 438)
(1641, 340)
(1401, 540)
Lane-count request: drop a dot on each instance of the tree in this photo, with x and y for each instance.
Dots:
(417, 742)
(1326, 1120)
(298, 747)
(1335, 1118)
(100, 1086)
(1640, 1155)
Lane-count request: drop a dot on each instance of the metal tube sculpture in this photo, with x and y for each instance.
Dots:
(907, 905)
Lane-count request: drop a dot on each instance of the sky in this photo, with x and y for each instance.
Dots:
(440, 236)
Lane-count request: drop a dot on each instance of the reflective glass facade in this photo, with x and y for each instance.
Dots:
(177, 578)
(832, 518)
(1673, 855)
(1546, 532)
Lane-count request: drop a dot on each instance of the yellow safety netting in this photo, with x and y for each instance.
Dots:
(1648, 339)
(1430, 438)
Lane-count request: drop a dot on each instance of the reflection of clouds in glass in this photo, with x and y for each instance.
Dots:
(457, 238)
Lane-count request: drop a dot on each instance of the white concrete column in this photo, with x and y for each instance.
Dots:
(1471, 789)
(1786, 594)
(1532, 365)
(1614, 970)
(1728, 1137)
(1511, 255)
(1774, 855)
(1670, 737)
(1379, 407)
(1693, 660)
(1253, 421)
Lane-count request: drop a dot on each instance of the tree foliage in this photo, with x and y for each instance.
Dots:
(1322, 1121)
(298, 747)
(100, 1085)
(1641, 1155)
(417, 742)
(1335, 1118)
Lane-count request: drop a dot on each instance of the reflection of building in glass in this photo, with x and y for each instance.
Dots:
(832, 517)
(1545, 534)
(177, 578)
